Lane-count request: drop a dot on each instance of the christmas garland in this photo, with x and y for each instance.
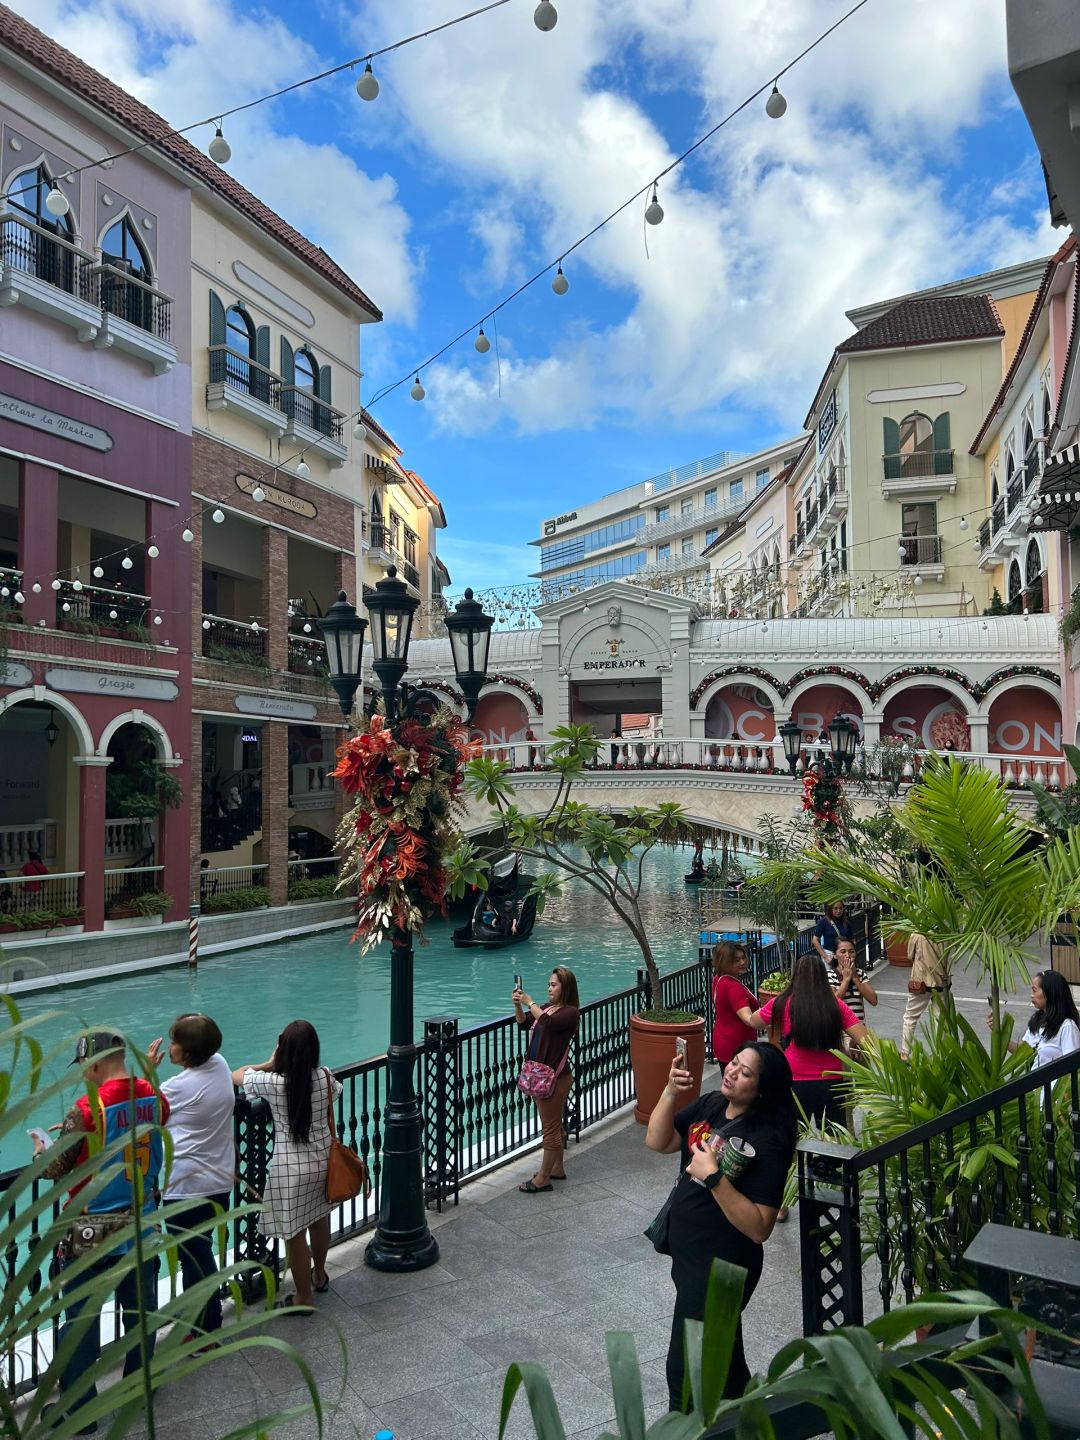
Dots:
(407, 780)
(823, 800)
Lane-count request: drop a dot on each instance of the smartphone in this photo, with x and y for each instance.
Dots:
(517, 982)
(680, 1052)
(37, 1133)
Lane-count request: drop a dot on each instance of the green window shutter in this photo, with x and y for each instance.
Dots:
(324, 383)
(217, 320)
(262, 345)
(943, 460)
(891, 448)
(288, 369)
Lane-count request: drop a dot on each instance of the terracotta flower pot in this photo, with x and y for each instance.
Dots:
(652, 1046)
(896, 952)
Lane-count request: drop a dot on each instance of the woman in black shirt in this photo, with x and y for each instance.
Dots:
(711, 1216)
(553, 1027)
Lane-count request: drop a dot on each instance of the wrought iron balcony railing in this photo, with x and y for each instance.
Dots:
(132, 299)
(33, 250)
(239, 372)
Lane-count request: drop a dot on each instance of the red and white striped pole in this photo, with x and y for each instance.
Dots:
(193, 937)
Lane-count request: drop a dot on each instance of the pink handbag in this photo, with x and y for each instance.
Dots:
(537, 1080)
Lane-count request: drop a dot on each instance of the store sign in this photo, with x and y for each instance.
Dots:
(53, 423)
(96, 682)
(616, 652)
(550, 526)
(827, 424)
(274, 496)
(15, 675)
(273, 708)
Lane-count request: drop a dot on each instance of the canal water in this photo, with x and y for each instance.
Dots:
(254, 991)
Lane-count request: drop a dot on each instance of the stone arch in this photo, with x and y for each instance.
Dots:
(58, 701)
(587, 633)
(998, 688)
(804, 682)
(893, 688)
(721, 679)
(160, 735)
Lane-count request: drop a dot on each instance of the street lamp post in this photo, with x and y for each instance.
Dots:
(402, 1240)
(843, 738)
(343, 634)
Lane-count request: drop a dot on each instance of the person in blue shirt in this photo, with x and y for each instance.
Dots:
(832, 927)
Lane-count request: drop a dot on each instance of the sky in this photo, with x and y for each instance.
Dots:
(903, 161)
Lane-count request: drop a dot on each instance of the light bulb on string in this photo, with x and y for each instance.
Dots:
(56, 202)
(98, 573)
(55, 584)
(219, 149)
(4, 592)
(307, 627)
(127, 563)
(560, 284)
(19, 597)
(255, 626)
(206, 624)
(482, 343)
(65, 607)
(76, 584)
(218, 516)
(303, 470)
(654, 211)
(112, 615)
(963, 522)
(35, 589)
(359, 431)
(367, 87)
(187, 535)
(258, 494)
(545, 16)
(917, 581)
(417, 392)
(157, 619)
(775, 105)
(153, 551)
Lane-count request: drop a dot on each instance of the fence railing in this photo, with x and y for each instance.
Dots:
(133, 299)
(123, 887)
(129, 836)
(308, 410)
(16, 842)
(239, 372)
(35, 251)
(57, 897)
(920, 549)
(884, 1225)
(315, 869)
(233, 641)
(917, 464)
(225, 879)
(97, 606)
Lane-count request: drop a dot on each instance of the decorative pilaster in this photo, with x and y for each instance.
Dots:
(92, 837)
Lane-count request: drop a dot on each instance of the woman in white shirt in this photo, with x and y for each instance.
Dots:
(1054, 1027)
(201, 1103)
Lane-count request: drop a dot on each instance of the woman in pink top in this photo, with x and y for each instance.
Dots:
(733, 1005)
(811, 1023)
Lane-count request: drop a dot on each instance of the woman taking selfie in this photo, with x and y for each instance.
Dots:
(733, 1005)
(553, 1027)
(295, 1207)
(712, 1216)
(809, 1023)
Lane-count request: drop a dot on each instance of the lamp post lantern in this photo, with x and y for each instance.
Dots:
(343, 633)
(402, 1240)
(843, 737)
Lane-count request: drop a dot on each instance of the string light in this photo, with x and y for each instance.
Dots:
(482, 343)
(56, 202)
(187, 535)
(153, 551)
(19, 597)
(303, 470)
(367, 87)
(417, 392)
(654, 211)
(775, 105)
(112, 615)
(218, 516)
(35, 589)
(545, 16)
(963, 522)
(560, 284)
(126, 563)
(99, 573)
(259, 494)
(219, 149)
(55, 584)
(76, 584)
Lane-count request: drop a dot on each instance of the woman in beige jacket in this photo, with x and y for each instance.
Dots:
(929, 976)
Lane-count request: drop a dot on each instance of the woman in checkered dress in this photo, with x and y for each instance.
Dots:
(295, 1208)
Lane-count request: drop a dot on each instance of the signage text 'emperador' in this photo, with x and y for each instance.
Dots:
(613, 665)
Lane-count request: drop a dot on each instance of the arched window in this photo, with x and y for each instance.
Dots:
(1016, 583)
(1032, 564)
(240, 338)
(124, 264)
(306, 371)
(916, 445)
(30, 250)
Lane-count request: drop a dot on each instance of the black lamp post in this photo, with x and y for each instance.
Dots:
(402, 1240)
(343, 632)
(843, 738)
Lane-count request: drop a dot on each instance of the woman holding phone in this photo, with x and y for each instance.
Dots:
(716, 1215)
(553, 1028)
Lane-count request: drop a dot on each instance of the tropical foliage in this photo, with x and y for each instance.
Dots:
(407, 780)
(251, 897)
(867, 1383)
(771, 898)
(34, 1301)
(1059, 813)
(605, 850)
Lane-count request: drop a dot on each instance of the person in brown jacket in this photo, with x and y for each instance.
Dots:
(553, 1028)
(929, 977)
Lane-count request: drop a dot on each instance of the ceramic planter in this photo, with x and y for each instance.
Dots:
(652, 1046)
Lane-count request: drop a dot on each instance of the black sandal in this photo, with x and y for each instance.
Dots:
(528, 1188)
(324, 1287)
(295, 1307)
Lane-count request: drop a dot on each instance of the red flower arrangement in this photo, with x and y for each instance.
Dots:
(407, 780)
(823, 800)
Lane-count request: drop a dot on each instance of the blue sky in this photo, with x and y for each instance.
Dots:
(903, 161)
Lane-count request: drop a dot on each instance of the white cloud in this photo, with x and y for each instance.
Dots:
(771, 233)
(182, 58)
(500, 565)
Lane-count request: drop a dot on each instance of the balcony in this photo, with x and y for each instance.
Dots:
(307, 656)
(923, 553)
(1010, 515)
(239, 384)
(232, 642)
(696, 519)
(314, 424)
(918, 475)
(92, 609)
(832, 501)
(383, 551)
(673, 565)
(135, 316)
(48, 274)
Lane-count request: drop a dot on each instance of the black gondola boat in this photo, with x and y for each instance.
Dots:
(502, 890)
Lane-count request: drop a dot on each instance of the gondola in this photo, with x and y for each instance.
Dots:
(473, 936)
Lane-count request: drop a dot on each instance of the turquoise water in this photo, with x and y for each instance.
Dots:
(253, 992)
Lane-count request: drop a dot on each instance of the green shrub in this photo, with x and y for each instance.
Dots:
(255, 897)
(322, 887)
(141, 634)
(775, 983)
(153, 902)
(39, 919)
(233, 655)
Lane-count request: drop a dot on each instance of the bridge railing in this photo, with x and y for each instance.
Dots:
(766, 758)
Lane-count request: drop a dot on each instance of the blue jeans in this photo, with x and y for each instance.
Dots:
(89, 1346)
(197, 1260)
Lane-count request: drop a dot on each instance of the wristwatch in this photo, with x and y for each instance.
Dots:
(711, 1181)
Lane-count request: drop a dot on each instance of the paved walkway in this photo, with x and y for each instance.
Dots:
(520, 1277)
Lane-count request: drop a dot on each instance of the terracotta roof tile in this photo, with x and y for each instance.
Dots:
(384, 435)
(934, 321)
(30, 44)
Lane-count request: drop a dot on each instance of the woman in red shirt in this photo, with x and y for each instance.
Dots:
(811, 1024)
(733, 1005)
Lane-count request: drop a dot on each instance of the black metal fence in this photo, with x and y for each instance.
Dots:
(887, 1224)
